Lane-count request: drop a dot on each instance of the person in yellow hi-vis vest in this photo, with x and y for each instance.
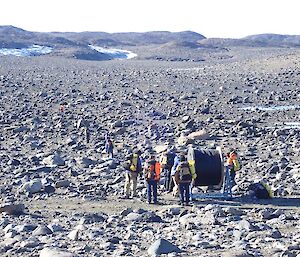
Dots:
(133, 167)
(184, 176)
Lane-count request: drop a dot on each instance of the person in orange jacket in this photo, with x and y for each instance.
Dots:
(232, 164)
(152, 177)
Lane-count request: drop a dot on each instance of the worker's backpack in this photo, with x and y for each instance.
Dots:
(127, 162)
(131, 163)
(185, 172)
(134, 163)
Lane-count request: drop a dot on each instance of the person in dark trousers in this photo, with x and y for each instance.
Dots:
(87, 134)
(109, 147)
(166, 163)
(183, 177)
(152, 177)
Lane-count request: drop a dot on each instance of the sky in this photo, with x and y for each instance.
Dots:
(211, 18)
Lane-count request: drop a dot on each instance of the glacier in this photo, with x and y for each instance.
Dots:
(33, 50)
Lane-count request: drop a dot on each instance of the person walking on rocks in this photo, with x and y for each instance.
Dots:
(109, 148)
(152, 177)
(87, 134)
(153, 131)
(133, 167)
(83, 127)
(62, 108)
(184, 176)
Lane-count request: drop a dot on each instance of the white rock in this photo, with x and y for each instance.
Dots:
(54, 252)
(187, 219)
(198, 135)
(160, 148)
(8, 228)
(32, 186)
(133, 216)
(8, 242)
(209, 207)
(197, 237)
(53, 160)
(74, 235)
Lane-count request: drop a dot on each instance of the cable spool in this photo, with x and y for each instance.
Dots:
(208, 165)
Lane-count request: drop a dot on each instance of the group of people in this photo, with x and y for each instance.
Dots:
(172, 165)
(178, 175)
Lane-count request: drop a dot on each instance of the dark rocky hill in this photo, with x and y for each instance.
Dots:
(159, 45)
(13, 34)
(275, 39)
(131, 38)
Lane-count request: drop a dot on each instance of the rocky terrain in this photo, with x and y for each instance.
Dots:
(61, 196)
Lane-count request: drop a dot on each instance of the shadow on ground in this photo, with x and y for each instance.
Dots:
(242, 202)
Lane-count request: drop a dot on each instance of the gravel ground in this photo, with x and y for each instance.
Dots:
(71, 191)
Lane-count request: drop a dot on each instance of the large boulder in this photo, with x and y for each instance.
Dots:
(12, 209)
(162, 246)
(53, 160)
(198, 135)
(41, 231)
(32, 186)
(160, 148)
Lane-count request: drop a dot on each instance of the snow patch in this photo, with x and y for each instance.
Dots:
(114, 53)
(272, 108)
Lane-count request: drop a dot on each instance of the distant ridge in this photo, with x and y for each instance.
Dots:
(10, 35)
(132, 38)
(275, 39)
(150, 45)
